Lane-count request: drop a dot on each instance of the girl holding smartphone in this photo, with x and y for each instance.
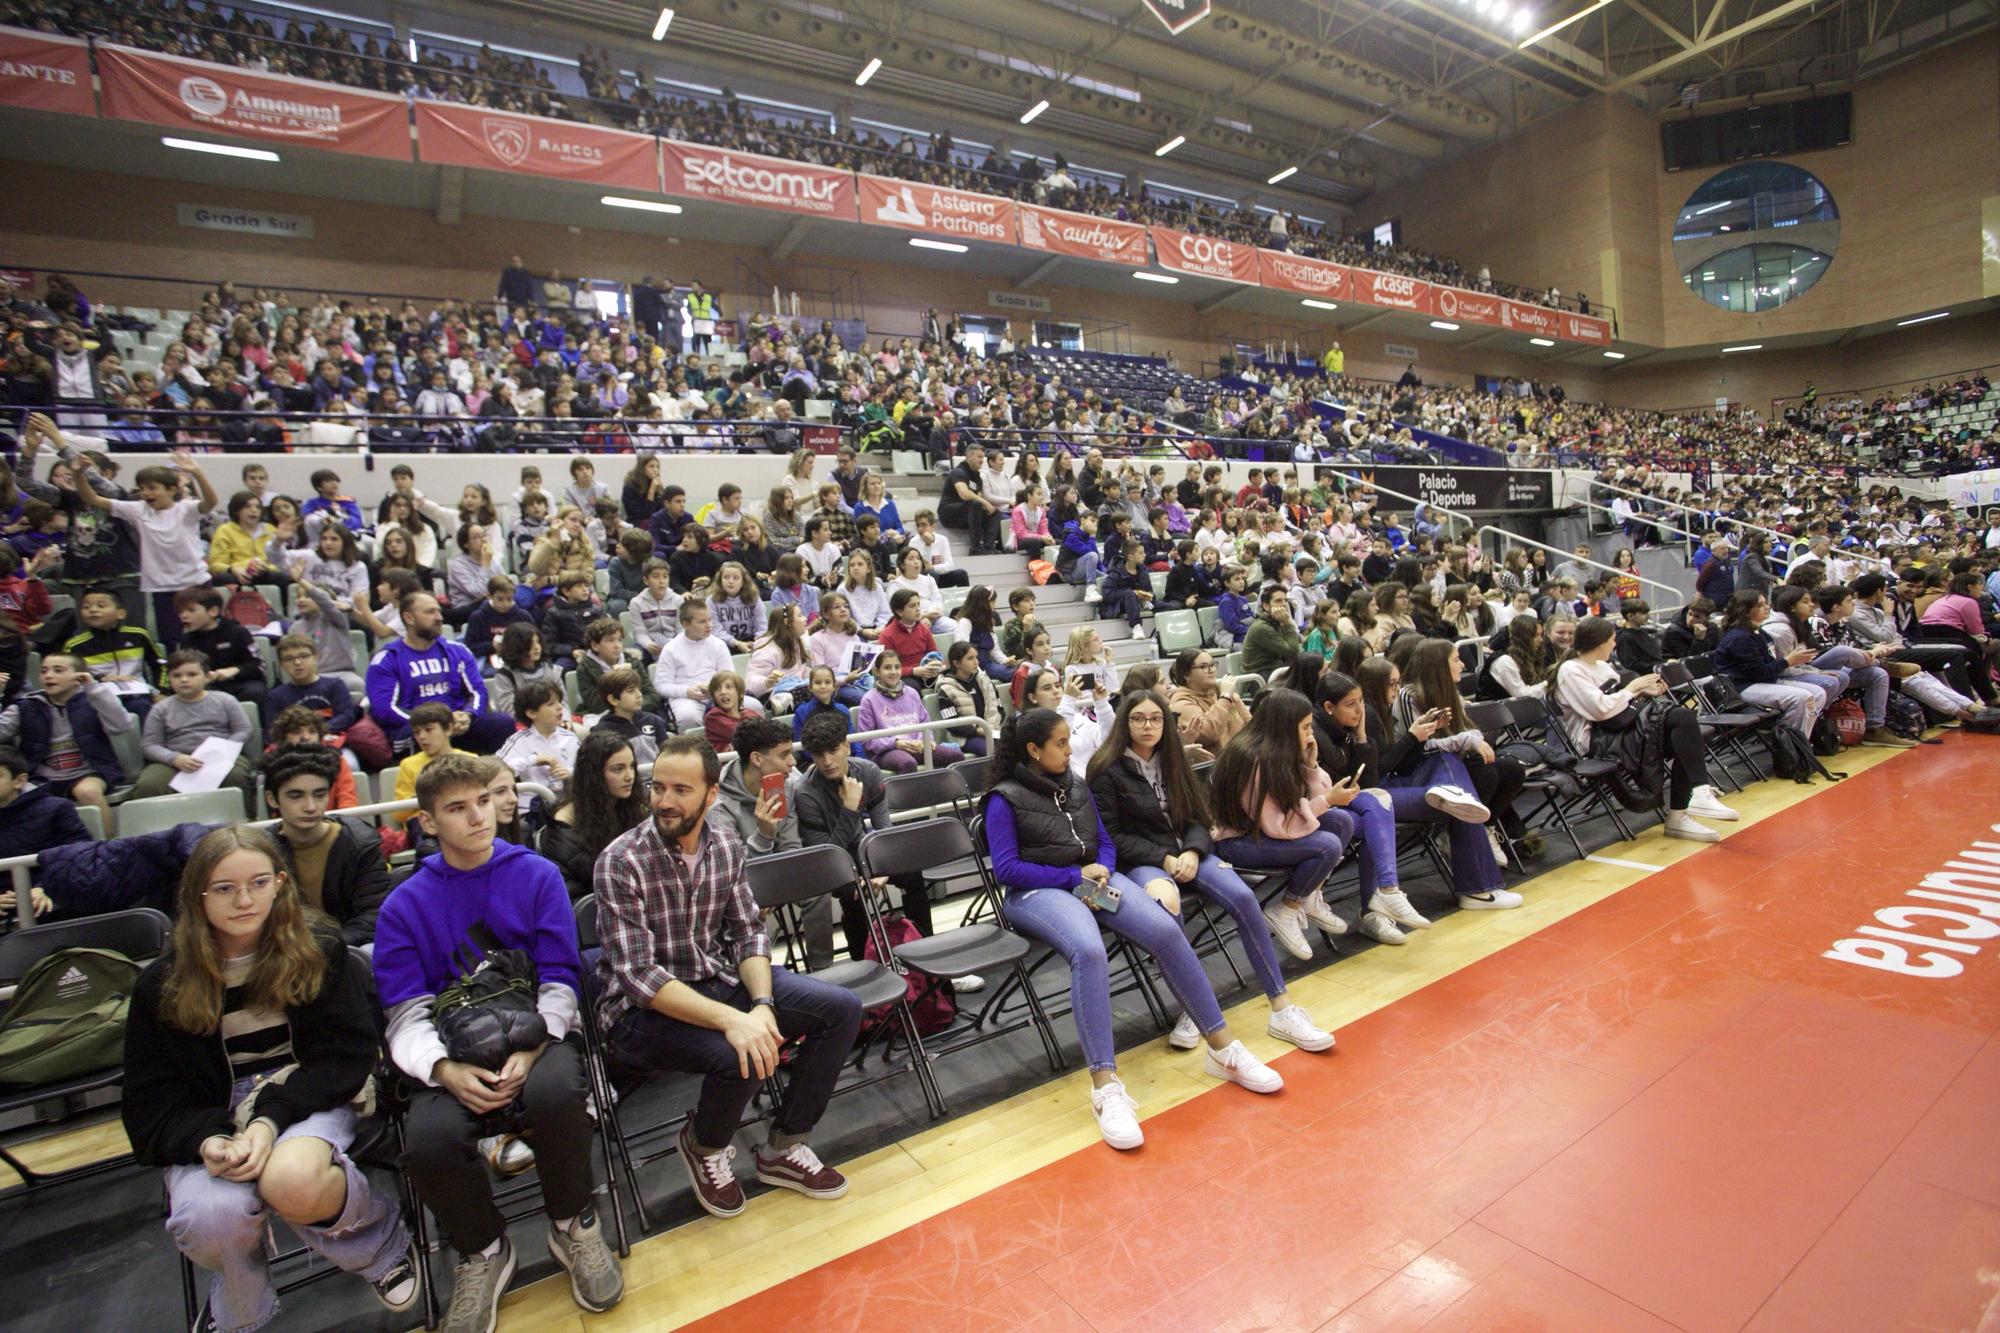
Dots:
(1052, 857)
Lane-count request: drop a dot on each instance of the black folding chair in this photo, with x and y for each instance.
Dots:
(984, 949)
(927, 792)
(789, 878)
(140, 934)
(1531, 716)
(378, 1145)
(1722, 733)
(621, 1169)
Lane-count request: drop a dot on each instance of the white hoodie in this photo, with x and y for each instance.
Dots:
(687, 662)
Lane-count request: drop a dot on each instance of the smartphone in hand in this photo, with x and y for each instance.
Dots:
(774, 783)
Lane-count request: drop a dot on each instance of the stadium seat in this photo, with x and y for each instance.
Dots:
(1177, 630)
(153, 814)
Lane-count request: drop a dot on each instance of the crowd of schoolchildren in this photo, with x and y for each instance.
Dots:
(561, 730)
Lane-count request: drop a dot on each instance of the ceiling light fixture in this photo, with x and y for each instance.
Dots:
(1170, 145)
(1035, 110)
(1444, 324)
(1167, 278)
(949, 247)
(1543, 342)
(1746, 347)
(1560, 24)
(1318, 304)
(220, 149)
(1614, 356)
(1287, 173)
(1922, 319)
(642, 205)
(867, 72)
(662, 23)
(1523, 20)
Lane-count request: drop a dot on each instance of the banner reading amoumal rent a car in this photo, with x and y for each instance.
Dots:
(44, 72)
(1083, 237)
(196, 95)
(1205, 256)
(761, 182)
(471, 136)
(915, 206)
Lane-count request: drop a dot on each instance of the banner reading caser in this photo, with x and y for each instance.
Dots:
(196, 95)
(45, 73)
(760, 182)
(471, 136)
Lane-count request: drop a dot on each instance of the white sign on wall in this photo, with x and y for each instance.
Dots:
(292, 226)
(1017, 301)
(1400, 351)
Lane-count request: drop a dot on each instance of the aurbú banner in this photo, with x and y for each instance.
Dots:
(758, 181)
(45, 73)
(1082, 237)
(196, 95)
(1308, 277)
(471, 136)
(1204, 256)
(958, 214)
(1525, 318)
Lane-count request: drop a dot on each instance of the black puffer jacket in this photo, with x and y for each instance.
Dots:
(1140, 829)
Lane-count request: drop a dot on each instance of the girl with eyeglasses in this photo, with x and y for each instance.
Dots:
(247, 1045)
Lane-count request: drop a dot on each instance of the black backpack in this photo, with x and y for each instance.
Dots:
(1792, 755)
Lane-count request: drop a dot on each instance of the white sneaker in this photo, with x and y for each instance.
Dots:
(1288, 928)
(1235, 1063)
(1395, 905)
(781, 702)
(1682, 824)
(969, 984)
(1458, 803)
(1185, 1036)
(1499, 846)
(1093, 594)
(1141, 632)
(1117, 1115)
(1322, 915)
(1495, 900)
(1703, 803)
(1295, 1025)
(1381, 929)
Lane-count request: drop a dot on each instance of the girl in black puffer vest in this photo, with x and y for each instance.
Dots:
(1053, 860)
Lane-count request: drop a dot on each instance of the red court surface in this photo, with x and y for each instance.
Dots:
(1669, 1110)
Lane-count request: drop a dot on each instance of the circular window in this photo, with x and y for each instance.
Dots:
(1756, 236)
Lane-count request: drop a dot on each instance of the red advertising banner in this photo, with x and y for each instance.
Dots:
(196, 95)
(45, 73)
(1082, 237)
(756, 180)
(1455, 303)
(1205, 256)
(915, 206)
(1586, 329)
(1538, 320)
(471, 136)
(1392, 291)
(1308, 277)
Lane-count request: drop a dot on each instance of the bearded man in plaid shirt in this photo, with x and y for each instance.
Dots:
(687, 971)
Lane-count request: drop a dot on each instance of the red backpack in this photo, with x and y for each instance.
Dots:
(1846, 719)
(931, 1001)
(248, 608)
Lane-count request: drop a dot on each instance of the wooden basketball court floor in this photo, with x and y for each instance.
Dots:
(1664, 1094)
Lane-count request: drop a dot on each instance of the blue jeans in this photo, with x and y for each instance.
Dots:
(1862, 674)
(1226, 889)
(1473, 869)
(1064, 922)
(219, 1225)
(1311, 859)
(1083, 573)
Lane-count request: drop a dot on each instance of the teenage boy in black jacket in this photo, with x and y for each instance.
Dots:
(234, 666)
(337, 864)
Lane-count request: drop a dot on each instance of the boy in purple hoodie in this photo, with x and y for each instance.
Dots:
(472, 882)
(893, 704)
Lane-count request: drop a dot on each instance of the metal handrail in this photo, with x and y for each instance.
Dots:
(1680, 598)
(1652, 523)
(1791, 544)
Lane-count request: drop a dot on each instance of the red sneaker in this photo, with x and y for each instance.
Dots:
(799, 1168)
(713, 1176)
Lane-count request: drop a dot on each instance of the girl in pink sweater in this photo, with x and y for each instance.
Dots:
(1278, 810)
